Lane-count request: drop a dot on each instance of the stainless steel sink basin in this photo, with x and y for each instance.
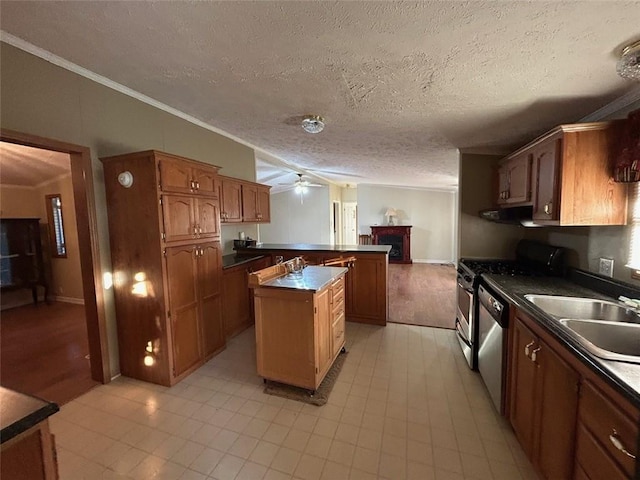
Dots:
(606, 339)
(584, 308)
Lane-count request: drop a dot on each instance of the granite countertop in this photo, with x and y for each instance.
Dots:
(20, 412)
(321, 248)
(313, 278)
(623, 376)
(233, 259)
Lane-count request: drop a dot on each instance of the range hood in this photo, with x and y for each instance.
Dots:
(511, 215)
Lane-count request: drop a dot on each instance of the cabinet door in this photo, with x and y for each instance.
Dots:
(182, 283)
(209, 277)
(264, 204)
(175, 176)
(236, 301)
(547, 163)
(523, 386)
(503, 184)
(250, 203)
(205, 181)
(520, 178)
(208, 217)
(366, 293)
(323, 333)
(178, 216)
(558, 405)
(231, 199)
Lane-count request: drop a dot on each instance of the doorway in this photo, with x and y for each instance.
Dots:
(350, 223)
(89, 258)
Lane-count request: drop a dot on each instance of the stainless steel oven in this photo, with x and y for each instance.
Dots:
(465, 316)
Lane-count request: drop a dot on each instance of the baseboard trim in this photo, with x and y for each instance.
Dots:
(424, 260)
(76, 301)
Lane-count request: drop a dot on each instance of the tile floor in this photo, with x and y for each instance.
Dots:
(405, 406)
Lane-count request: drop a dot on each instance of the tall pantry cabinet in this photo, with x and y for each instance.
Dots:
(167, 263)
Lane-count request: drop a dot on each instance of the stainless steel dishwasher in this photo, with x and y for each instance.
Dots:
(493, 318)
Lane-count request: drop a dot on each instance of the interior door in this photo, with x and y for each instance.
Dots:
(350, 223)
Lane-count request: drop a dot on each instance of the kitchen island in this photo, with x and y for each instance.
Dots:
(299, 323)
(28, 450)
(366, 282)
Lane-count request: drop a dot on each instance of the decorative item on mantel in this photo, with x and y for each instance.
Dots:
(627, 161)
(391, 214)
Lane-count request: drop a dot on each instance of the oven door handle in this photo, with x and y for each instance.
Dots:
(460, 335)
(466, 289)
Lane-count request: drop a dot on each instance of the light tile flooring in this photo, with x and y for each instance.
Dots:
(405, 406)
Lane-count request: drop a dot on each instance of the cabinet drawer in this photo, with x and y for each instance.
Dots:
(603, 420)
(338, 299)
(338, 328)
(591, 457)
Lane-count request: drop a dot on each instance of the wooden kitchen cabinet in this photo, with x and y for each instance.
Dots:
(295, 341)
(514, 180)
(543, 401)
(367, 295)
(607, 436)
(167, 264)
(244, 202)
(237, 298)
(230, 193)
(571, 177)
(256, 201)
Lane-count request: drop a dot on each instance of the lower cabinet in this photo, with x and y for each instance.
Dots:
(30, 456)
(237, 298)
(543, 403)
(565, 416)
(193, 284)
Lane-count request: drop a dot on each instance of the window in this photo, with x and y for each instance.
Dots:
(56, 227)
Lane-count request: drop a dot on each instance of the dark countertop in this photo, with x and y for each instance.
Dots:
(234, 259)
(20, 412)
(313, 278)
(623, 376)
(321, 248)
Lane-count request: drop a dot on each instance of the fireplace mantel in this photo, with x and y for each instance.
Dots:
(398, 236)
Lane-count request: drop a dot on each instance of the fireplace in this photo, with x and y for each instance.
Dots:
(398, 236)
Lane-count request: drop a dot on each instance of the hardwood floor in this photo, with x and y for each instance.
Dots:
(422, 294)
(44, 350)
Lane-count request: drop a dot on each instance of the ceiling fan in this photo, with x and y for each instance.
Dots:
(301, 186)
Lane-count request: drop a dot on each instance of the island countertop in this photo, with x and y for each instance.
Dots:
(313, 278)
(20, 412)
(310, 247)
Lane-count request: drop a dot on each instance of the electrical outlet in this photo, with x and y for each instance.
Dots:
(606, 267)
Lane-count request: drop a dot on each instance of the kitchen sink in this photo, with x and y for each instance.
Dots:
(584, 308)
(606, 339)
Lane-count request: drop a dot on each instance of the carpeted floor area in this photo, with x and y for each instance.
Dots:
(422, 294)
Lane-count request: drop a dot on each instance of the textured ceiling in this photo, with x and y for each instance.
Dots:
(29, 167)
(402, 85)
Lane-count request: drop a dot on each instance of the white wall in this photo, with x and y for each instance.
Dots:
(292, 222)
(431, 213)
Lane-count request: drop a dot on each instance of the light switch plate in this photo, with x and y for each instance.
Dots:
(606, 267)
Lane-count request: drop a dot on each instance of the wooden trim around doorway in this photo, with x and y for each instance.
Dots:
(84, 201)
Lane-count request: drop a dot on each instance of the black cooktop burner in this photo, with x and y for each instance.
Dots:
(499, 267)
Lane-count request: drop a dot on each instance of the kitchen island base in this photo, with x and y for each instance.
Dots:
(300, 326)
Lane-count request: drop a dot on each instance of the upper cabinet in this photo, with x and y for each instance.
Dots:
(256, 201)
(566, 175)
(243, 201)
(514, 180)
(182, 176)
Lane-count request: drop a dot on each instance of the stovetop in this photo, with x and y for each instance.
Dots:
(499, 267)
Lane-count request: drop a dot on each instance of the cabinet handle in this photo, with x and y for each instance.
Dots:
(195, 251)
(197, 185)
(534, 354)
(527, 347)
(199, 229)
(195, 231)
(613, 438)
(192, 185)
(547, 208)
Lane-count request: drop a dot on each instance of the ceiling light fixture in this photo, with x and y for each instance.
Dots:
(629, 64)
(313, 123)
